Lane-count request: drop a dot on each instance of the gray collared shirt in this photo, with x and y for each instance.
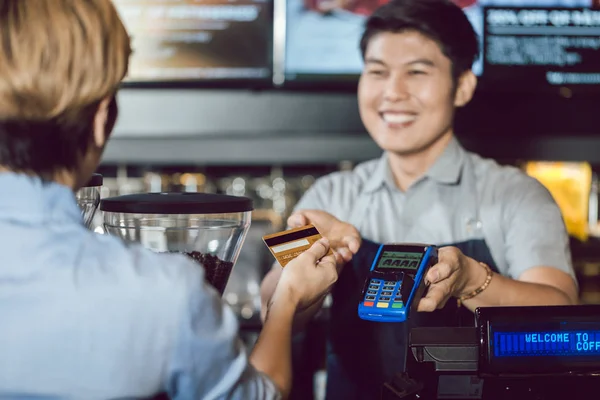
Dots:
(83, 316)
(462, 197)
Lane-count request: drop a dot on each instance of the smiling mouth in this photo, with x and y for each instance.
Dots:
(398, 119)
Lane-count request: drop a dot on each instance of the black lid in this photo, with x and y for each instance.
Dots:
(95, 180)
(176, 203)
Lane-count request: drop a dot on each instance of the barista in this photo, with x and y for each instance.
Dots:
(502, 236)
(83, 315)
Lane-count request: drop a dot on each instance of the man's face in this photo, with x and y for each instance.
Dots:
(406, 92)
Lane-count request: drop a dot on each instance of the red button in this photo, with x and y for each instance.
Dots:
(368, 304)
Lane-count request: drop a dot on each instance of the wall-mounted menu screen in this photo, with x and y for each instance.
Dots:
(199, 40)
(323, 36)
(539, 48)
(477, 12)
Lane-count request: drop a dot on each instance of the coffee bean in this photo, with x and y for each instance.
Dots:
(216, 271)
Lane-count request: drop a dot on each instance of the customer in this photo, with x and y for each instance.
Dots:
(504, 242)
(85, 316)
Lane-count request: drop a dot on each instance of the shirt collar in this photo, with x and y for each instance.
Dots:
(448, 166)
(380, 176)
(446, 169)
(27, 199)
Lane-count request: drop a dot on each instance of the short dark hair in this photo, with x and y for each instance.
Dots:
(440, 20)
(43, 147)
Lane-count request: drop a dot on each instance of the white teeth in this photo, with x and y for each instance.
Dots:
(398, 118)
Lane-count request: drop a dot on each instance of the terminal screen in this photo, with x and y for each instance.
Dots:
(399, 260)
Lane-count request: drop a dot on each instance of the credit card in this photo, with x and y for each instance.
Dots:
(287, 245)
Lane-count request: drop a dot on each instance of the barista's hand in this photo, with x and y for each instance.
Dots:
(454, 275)
(309, 277)
(344, 238)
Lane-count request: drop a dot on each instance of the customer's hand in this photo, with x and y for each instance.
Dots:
(309, 277)
(344, 238)
(454, 275)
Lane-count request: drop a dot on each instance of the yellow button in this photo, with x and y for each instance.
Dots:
(382, 304)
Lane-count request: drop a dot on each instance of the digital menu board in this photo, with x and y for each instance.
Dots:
(538, 48)
(198, 40)
(477, 11)
(322, 39)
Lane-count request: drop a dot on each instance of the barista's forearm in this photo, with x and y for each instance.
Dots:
(504, 291)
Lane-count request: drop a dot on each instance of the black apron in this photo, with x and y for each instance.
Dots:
(362, 355)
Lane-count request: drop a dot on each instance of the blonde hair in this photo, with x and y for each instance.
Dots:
(58, 60)
(58, 55)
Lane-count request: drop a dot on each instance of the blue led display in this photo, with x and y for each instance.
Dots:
(571, 343)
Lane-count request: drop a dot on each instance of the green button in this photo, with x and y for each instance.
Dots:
(398, 305)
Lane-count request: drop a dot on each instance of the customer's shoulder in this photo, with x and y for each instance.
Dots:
(142, 290)
(134, 266)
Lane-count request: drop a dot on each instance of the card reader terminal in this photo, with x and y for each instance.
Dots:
(395, 282)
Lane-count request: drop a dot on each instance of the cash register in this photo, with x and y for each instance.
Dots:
(540, 353)
(516, 353)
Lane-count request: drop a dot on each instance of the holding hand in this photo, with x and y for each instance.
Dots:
(309, 277)
(344, 238)
(453, 276)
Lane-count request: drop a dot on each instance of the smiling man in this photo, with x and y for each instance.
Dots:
(502, 238)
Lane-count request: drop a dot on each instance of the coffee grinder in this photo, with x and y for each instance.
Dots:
(209, 228)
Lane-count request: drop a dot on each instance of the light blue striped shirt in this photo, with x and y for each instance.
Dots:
(84, 316)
